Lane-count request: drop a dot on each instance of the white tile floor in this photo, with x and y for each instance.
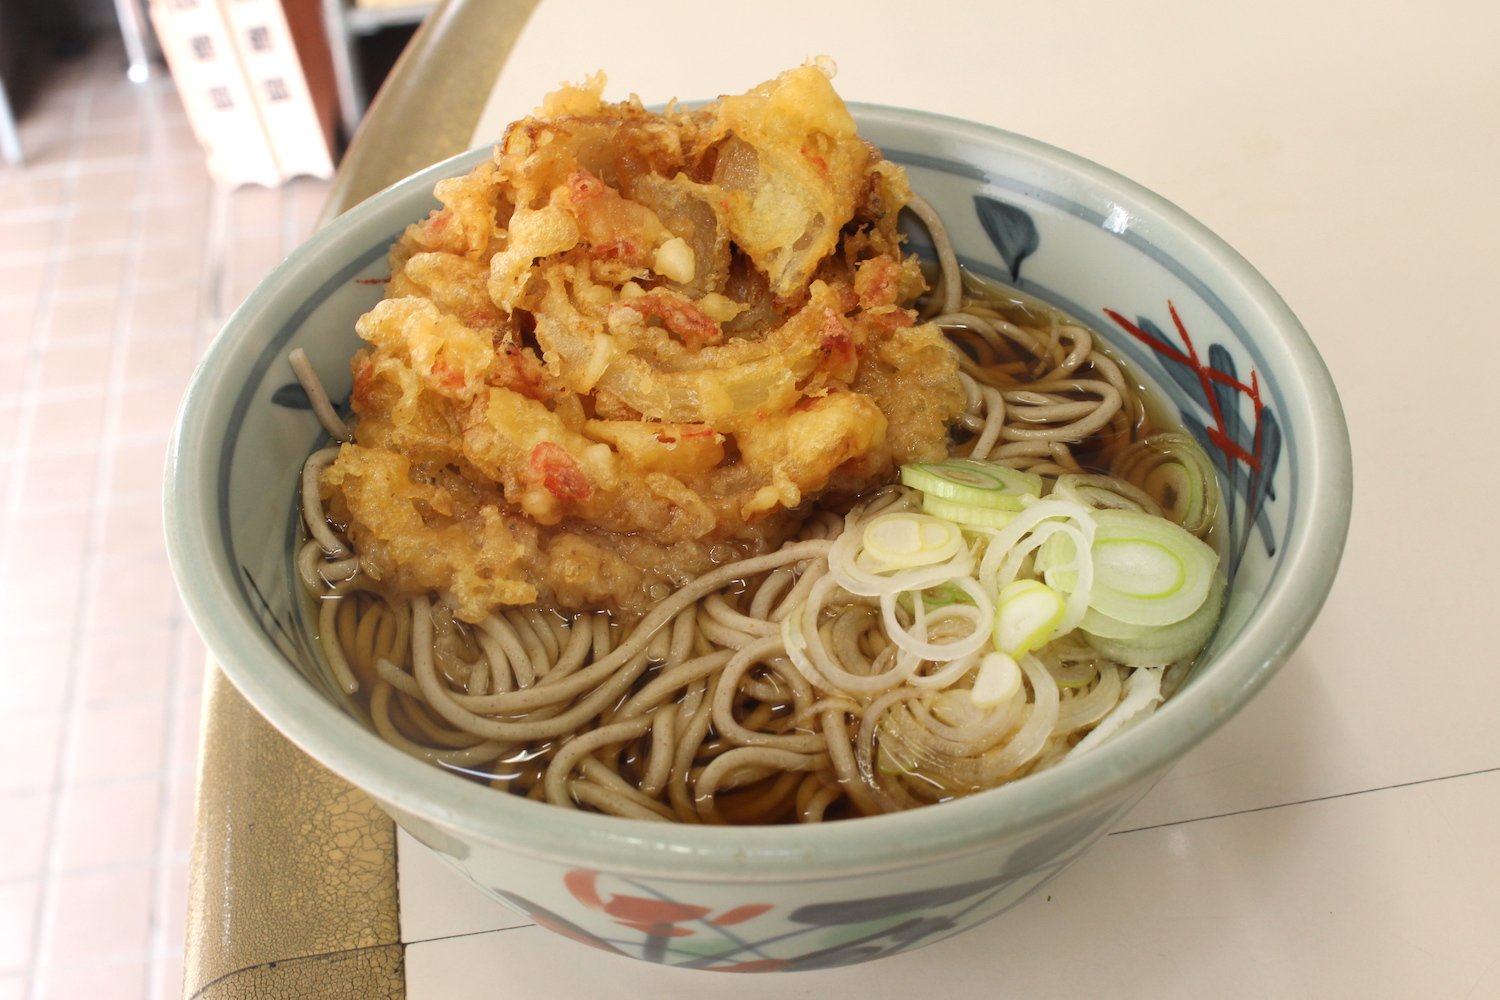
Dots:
(114, 273)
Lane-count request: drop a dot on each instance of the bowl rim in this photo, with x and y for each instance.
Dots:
(322, 729)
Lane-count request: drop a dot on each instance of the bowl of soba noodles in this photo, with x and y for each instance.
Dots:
(764, 534)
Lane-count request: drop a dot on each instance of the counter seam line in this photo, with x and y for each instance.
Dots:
(467, 934)
(1301, 802)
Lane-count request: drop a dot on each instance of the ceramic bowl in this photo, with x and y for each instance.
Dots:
(1188, 313)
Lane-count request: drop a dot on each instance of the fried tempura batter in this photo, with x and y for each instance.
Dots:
(636, 345)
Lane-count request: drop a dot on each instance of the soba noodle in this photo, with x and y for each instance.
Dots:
(702, 710)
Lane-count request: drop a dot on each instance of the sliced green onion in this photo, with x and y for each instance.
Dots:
(1175, 470)
(858, 572)
(939, 634)
(902, 541)
(966, 514)
(1104, 492)
(1056, 560)
(1177, 489)
(973, 483)
(1154, 645)
(936, 597)
(1147, 570)
(1027, 613)
(998, 680)
(1000, 547)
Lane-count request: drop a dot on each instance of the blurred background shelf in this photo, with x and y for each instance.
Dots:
(365, 37)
